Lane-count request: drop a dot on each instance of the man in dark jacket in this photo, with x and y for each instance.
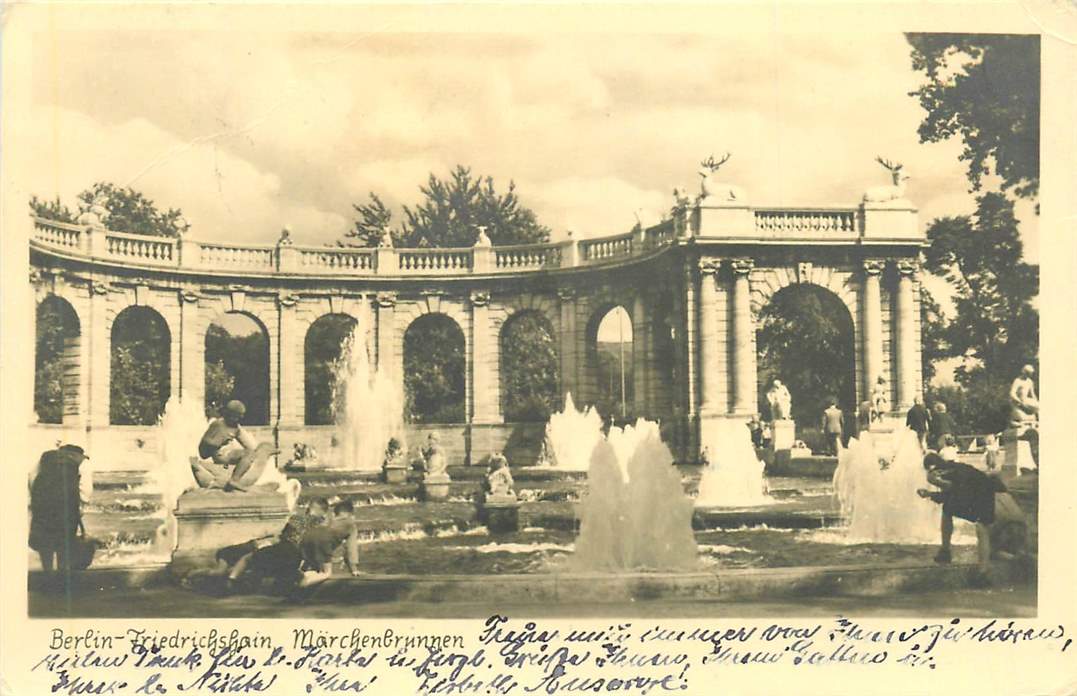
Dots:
(964, 492)
(918, 420)
(56, 506)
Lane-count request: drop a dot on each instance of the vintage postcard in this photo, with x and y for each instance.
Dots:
(511, 349)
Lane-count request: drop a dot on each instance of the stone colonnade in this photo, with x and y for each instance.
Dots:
(693, 317)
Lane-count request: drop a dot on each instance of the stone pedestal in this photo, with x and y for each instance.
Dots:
(436, 486)
(1017, 453)
(783, 434)
(208, 520)
(395, 473)
(501, 513)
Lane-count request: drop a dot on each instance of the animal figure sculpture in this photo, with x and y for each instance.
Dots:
(882, 194)
(710, 188)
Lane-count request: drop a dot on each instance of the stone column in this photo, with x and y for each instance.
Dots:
(744, 394)
(710, 349)
(289, 367)
(905, 329)
(485, 383)
(192, 381)
(871, 308)
(569, 379)
(640, 354)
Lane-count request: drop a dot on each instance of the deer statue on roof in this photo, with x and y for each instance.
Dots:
(894, 192)
(708, 187)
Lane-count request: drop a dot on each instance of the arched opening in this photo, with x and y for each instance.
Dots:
(528, 368)
(805, 338)
(611, 359)
(435, 371)
(237, 366)
(322, 349)
(56, 361)
(140, 380)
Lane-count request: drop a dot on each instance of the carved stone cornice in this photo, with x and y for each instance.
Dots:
(190, 296)
(566, 294)
(100, 288)
(287, 299)
(385, 298)
(479, 298)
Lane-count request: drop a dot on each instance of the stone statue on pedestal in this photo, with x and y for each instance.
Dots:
(1024, 406)
(781, 402)
(436, 470)
(395, 466)
(482, 240)
(880, 399)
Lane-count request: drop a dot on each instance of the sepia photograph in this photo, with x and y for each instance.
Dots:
(447, 324)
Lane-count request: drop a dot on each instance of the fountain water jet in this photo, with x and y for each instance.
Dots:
(733, 476)
(367, 407)
(571, 436)
(881, 505)
(635, 515)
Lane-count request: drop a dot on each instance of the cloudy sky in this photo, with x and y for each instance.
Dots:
(249, 132)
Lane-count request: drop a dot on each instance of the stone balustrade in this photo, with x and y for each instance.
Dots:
(808, 223)
(98, 243)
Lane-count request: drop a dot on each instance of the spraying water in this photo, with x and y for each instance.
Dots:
(635, 515)
(880, 504)
(571, 436)
(179, 430)
(733, 476)
(367, 406)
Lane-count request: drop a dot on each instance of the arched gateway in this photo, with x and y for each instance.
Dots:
(693, 287)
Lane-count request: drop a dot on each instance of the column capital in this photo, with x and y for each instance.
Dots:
(385, 299)
(873, 267)
(100, 288)
(709, 266)
(479, 298)
(287, 299)
(907, 267)
(566, 294)
(190, 296)
(742, 266)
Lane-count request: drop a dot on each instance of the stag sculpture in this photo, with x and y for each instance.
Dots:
(896, 191)
(708, 187)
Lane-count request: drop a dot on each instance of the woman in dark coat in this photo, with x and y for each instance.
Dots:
(55, 506)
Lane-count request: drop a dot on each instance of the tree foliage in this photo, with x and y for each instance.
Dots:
(435, 371)
(56, 322)
(237, 367)
(805, 339)
(984, 88)
(995, 324)
(932, 334)
(323, 347)
(449, 215)
(529, 368)
(140, 379)
(129, 211)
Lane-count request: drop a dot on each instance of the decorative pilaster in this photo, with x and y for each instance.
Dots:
(710, 364)
(640, 353)
(907, 339)
(485, 382)
(290, 359)
(871, 305)
(569, 380)
(385, 305)
(192, 377)
(744, 394)
(99, 351)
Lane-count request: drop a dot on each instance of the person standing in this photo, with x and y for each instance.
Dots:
(941, 426)
(832, 427)
(918, 419)
(56, 498)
